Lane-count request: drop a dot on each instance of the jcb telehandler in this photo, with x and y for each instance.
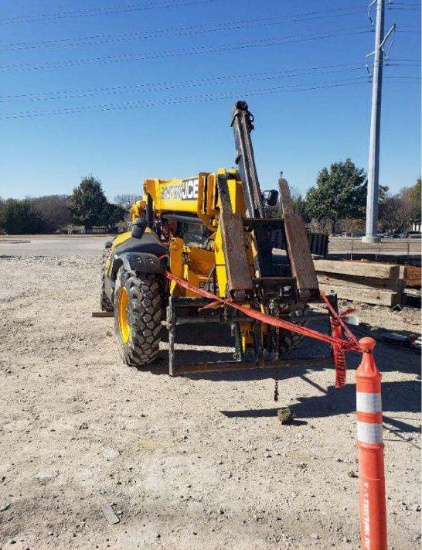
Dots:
(213, 231)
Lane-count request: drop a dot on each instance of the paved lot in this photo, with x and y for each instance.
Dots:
(354, 248)
(90, 245)
(52, 245)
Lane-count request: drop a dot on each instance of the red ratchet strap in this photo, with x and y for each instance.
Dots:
(339, 318)
(338, 355)
(267, 319)
(337, 324)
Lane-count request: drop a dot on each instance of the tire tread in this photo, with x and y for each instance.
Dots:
(144, 315)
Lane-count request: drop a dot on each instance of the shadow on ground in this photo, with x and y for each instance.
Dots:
(399, 396)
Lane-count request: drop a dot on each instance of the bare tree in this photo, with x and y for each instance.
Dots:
(397, 211)
(2, 202)
(351, 225)
(54, 210)
(126, 200)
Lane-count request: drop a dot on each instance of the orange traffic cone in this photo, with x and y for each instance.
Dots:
(372, 508)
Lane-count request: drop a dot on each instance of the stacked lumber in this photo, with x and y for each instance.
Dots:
(369, 282)
(412, 276)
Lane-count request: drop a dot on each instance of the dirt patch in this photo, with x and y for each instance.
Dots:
(196, 462)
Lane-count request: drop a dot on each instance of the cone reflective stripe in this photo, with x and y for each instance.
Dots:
(373, 517)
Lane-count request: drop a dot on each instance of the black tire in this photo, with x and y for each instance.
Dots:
(105, 303)
(137, 316)
(288, 340)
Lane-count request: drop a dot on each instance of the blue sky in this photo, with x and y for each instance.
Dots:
(130, 89)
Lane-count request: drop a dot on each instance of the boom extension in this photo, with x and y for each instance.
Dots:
(242, 124)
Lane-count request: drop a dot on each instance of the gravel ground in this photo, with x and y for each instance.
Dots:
(185, 463)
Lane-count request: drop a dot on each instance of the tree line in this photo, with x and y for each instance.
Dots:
(87, 206)
(337, 202)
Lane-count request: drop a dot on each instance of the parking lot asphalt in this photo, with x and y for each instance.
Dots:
(52, 245)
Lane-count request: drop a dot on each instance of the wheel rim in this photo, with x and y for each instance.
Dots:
(124, 325)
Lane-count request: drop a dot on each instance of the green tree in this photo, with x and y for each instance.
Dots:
(88, 204)
(114, 214)
(20, 217)
(339, 193)
(300, 207)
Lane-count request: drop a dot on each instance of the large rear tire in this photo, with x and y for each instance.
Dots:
(137, 316)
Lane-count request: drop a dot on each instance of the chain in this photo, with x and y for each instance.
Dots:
(277, 349)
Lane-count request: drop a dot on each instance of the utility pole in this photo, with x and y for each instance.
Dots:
(374, 138)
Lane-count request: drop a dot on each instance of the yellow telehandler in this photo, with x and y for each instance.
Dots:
(214, 233)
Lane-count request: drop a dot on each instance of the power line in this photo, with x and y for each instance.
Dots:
(389, 64)
(124, 106)
(178, 31)
(180, 100)
(166, 85)
(404, 6)
(196, 50)
(404, 80)
(194, 83)
(106, 10)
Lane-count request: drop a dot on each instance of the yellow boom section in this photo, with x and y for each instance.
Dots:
(197, 195)
(176, 195)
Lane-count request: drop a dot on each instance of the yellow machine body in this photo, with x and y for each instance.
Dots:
(216, 232)
(196, 198)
